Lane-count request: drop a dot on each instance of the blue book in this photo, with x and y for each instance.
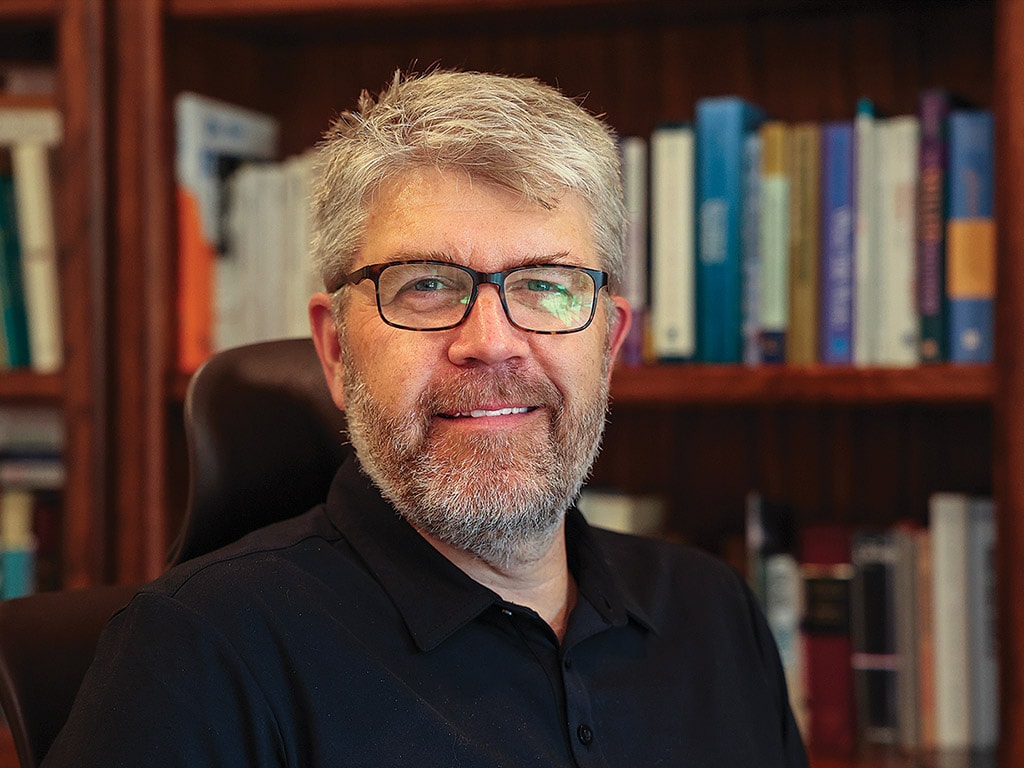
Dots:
(970, 236)
(722, 127)
(12, 295)
(837, 243)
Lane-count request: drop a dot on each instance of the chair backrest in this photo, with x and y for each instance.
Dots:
(264, 442)
(47, 642)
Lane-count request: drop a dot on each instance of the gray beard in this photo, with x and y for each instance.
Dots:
(500, 496)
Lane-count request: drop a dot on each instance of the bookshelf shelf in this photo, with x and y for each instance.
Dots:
(23, 386)
(686, 384)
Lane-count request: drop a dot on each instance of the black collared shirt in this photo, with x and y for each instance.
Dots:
(342, 638)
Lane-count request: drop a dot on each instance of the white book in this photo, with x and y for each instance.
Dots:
(899, 139)
(302, 280)
(642, 515)
(948, 523)
(866, 250)
(673, 258)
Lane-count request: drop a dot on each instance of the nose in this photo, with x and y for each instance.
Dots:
(486, 336)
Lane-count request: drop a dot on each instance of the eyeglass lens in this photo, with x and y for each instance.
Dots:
(432, 296)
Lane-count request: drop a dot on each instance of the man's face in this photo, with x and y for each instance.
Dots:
(480, 435)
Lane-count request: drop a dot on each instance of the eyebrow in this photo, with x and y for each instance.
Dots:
(561, 258)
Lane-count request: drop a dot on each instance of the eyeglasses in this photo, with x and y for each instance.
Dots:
(428, 295)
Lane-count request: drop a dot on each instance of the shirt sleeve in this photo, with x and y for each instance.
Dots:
(166, 689)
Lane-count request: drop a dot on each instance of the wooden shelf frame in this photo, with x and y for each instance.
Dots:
(149, 391)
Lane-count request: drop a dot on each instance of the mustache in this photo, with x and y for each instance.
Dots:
(473, 388)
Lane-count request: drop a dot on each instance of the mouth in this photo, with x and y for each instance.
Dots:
(480, 413)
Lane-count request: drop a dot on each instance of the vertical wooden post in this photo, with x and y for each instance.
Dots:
(1009, 402)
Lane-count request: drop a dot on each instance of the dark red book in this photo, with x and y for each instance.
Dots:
(828, 574)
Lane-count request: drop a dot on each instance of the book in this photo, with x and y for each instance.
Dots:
(827, 573)
(898, 140)
(970, 236)
(776, 154)
(17, 543)
(633, 151)
(875, 661)
(866, 239)
(775, 579)
(905, 599)
(639, 514)
(802, 325)
(982, 653)
(301, 277)
(934, 105)
(12, 296)
(947, 519)
(837, 245)
(212, 139)
(30, 133)
(750, 252)
(673, 232)
(722, 125)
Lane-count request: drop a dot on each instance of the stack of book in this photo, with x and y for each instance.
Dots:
(868, 241)
(897, 631)
(31, 484)
(30, 128)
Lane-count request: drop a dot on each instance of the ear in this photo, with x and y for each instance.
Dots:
(328, 347)
(623, 317)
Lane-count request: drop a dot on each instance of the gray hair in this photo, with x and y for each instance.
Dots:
(516, 133)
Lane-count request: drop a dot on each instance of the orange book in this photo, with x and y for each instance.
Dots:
(213, 139)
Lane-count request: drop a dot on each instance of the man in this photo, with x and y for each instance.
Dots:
(448, 606)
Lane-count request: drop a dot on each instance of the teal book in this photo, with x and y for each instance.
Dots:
(12, 295)
(723, 125)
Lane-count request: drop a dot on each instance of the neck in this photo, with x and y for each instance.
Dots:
(542, 583)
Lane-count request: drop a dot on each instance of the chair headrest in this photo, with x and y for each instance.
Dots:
(264, 442)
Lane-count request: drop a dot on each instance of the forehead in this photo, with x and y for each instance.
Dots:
(446, 213)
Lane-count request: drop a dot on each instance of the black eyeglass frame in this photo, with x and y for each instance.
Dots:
(497, 279)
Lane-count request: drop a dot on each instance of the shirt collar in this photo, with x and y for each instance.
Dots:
(435, 597)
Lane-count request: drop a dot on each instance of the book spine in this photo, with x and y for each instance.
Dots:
(948, 524)
(837, 230)
(970, 237)
(933, 111)
(722, 125)
(775, 233)
(828, 576)
(898, 143)
(874, 660)
(750, 247)
(866, 240)
(802, 335)
(37, 235)
(673, 261)
(633, 150)
(982, 654)
(12, 296)
(17, 543)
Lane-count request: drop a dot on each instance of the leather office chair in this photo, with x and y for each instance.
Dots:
(263, 443)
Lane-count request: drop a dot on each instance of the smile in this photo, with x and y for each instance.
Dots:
(480, 413)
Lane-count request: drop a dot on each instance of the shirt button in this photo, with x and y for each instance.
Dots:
(585, 735)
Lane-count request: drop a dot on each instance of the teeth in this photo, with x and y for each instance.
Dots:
(500, 412)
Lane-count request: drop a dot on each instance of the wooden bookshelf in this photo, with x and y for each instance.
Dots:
(69, 35)
(702, 435)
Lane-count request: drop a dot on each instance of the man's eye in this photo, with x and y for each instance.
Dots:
(546, 286)
(428, 284)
